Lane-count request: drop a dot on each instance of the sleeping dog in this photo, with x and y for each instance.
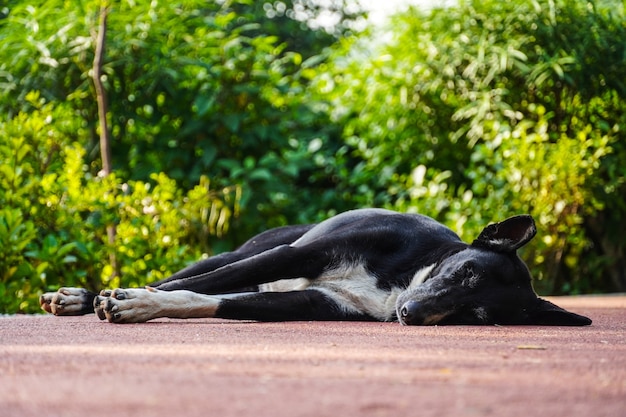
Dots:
(368, 264)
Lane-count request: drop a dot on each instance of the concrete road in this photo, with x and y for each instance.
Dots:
(55, 366)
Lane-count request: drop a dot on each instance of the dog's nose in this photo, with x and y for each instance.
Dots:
(410, 313)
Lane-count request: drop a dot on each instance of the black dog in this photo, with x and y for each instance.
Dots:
(368, 264)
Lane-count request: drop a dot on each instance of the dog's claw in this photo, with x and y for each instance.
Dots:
(97, 306)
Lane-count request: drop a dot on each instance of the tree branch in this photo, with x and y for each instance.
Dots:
(105, 135)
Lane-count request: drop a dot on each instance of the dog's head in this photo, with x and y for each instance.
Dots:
(486, 283)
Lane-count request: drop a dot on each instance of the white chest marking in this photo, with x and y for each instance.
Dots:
(354, 288)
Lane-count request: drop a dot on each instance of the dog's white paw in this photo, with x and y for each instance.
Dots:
(67, 302)
(133, 305)
(137, 305)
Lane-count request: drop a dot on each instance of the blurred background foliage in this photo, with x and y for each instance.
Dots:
(230, 117)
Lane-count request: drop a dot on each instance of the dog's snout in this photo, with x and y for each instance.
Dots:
(410, 313)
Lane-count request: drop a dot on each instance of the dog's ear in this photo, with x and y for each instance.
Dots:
(547, 314)
(508, 235)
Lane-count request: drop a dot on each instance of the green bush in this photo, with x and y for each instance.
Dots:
(197, 89)
(54, 217)
(468, 114)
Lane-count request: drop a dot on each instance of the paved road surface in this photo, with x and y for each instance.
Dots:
(52, 366)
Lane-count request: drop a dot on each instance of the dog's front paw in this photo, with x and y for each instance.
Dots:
(67, 302)
(136, 305)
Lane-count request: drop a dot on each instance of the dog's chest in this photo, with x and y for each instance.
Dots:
(353, 288)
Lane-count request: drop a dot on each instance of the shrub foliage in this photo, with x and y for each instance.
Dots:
(230, 117)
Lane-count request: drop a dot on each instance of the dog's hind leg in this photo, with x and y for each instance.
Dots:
(201, 267)
(258, 244)
(281, 262)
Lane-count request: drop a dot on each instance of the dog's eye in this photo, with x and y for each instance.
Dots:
(470, 274)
